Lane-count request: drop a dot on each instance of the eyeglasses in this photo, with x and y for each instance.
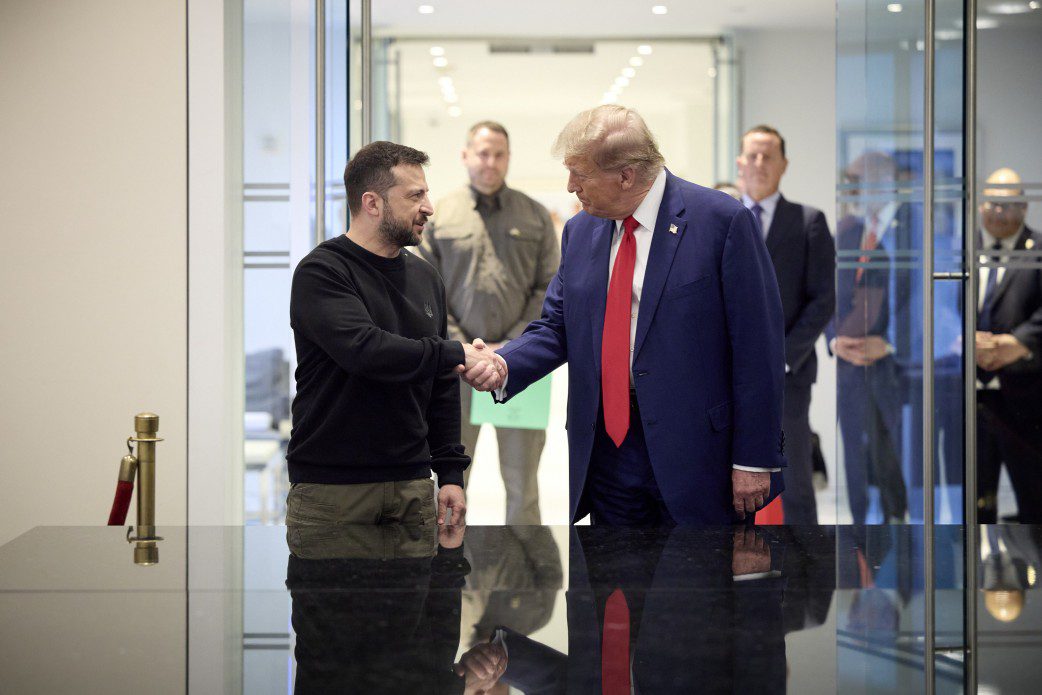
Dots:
(992, 206)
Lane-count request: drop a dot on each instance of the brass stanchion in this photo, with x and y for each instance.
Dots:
(146, 427)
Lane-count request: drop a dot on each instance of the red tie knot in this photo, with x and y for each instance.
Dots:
(629, 225)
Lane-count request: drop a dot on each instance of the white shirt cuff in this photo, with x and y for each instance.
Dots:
(755, 470)
(756, 575)
(500, 394)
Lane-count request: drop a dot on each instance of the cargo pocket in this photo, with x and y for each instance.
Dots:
(304, 506)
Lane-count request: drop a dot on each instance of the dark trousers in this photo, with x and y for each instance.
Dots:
(621, 489)
(798, 500)
(1009, 431)
(869, 401)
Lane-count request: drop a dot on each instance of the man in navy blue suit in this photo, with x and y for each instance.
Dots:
(667, 310)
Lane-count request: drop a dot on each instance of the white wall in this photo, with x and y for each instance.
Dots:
(1009, 87)
(93, 272)
(788, 80)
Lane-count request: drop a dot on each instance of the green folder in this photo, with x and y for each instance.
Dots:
(529, 410)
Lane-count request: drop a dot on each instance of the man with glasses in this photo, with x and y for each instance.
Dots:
(1009, 352)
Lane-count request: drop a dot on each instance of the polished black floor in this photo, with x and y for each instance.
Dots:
(395, 609)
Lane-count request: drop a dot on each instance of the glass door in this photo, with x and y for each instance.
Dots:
(301, 108)
(1006, 265)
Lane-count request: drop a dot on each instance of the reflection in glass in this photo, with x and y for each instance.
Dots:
(1009, 358)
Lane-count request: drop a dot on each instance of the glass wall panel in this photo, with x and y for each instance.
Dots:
(877, 338)
(1008, 180)
(279, 155)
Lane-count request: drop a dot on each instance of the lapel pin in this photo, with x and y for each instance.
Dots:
(672, 229)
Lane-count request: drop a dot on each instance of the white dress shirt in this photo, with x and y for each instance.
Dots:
(987, 241)
(645, 214)
(1008, 244)
(767, 206)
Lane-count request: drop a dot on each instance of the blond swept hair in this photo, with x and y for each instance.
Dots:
(612, 137)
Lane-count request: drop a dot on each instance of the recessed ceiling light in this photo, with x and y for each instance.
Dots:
(894, 7)
(1034, 4)
(987, 23)
(629, 72)
(659, 9)
(445, 81)
(711, 72)
(451, 98)
(426, 9)
(615, 89)
(455, 111)
(622, 81)
(437, 51)
(644, 49)
(440, 62)
(609, 98)
(1010, 8)
(636, 61)
(948, 34)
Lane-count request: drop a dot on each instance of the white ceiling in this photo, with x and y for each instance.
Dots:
(579, 80)
(595, 18)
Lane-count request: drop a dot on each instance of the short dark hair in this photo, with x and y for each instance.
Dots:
(766, 130)
(494, 126)
(370, 170)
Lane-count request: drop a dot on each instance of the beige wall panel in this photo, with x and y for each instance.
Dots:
(93, 264)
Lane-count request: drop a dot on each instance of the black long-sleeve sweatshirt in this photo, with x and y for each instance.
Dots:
(377, 395)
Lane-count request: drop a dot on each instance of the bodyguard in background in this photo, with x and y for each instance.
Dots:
(1009, 353)
(804, 258)
(496, 250)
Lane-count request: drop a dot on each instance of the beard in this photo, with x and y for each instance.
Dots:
(398, 232)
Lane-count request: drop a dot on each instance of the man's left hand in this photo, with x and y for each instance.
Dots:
(452, 500)
(749, 490)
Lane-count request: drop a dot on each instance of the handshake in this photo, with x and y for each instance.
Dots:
(483, 369)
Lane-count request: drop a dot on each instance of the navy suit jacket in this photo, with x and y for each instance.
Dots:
(804, 258)
(708, 357)
(1016, 307)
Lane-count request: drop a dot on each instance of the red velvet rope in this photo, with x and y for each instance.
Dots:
(121, 503)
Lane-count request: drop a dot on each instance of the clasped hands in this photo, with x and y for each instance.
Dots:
(483, 369)
(998, 350)
(861, 352)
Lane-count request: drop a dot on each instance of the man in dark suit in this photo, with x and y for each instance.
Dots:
(675, 364)
(1009, 353)
(804, 258)
(871, 335)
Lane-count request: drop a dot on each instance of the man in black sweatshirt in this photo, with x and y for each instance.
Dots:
(377, 405)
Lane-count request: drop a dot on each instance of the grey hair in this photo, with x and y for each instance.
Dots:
(612, 137)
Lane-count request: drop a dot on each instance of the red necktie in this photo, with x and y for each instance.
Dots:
(615, 646)
(615, 340)
(869, 243)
